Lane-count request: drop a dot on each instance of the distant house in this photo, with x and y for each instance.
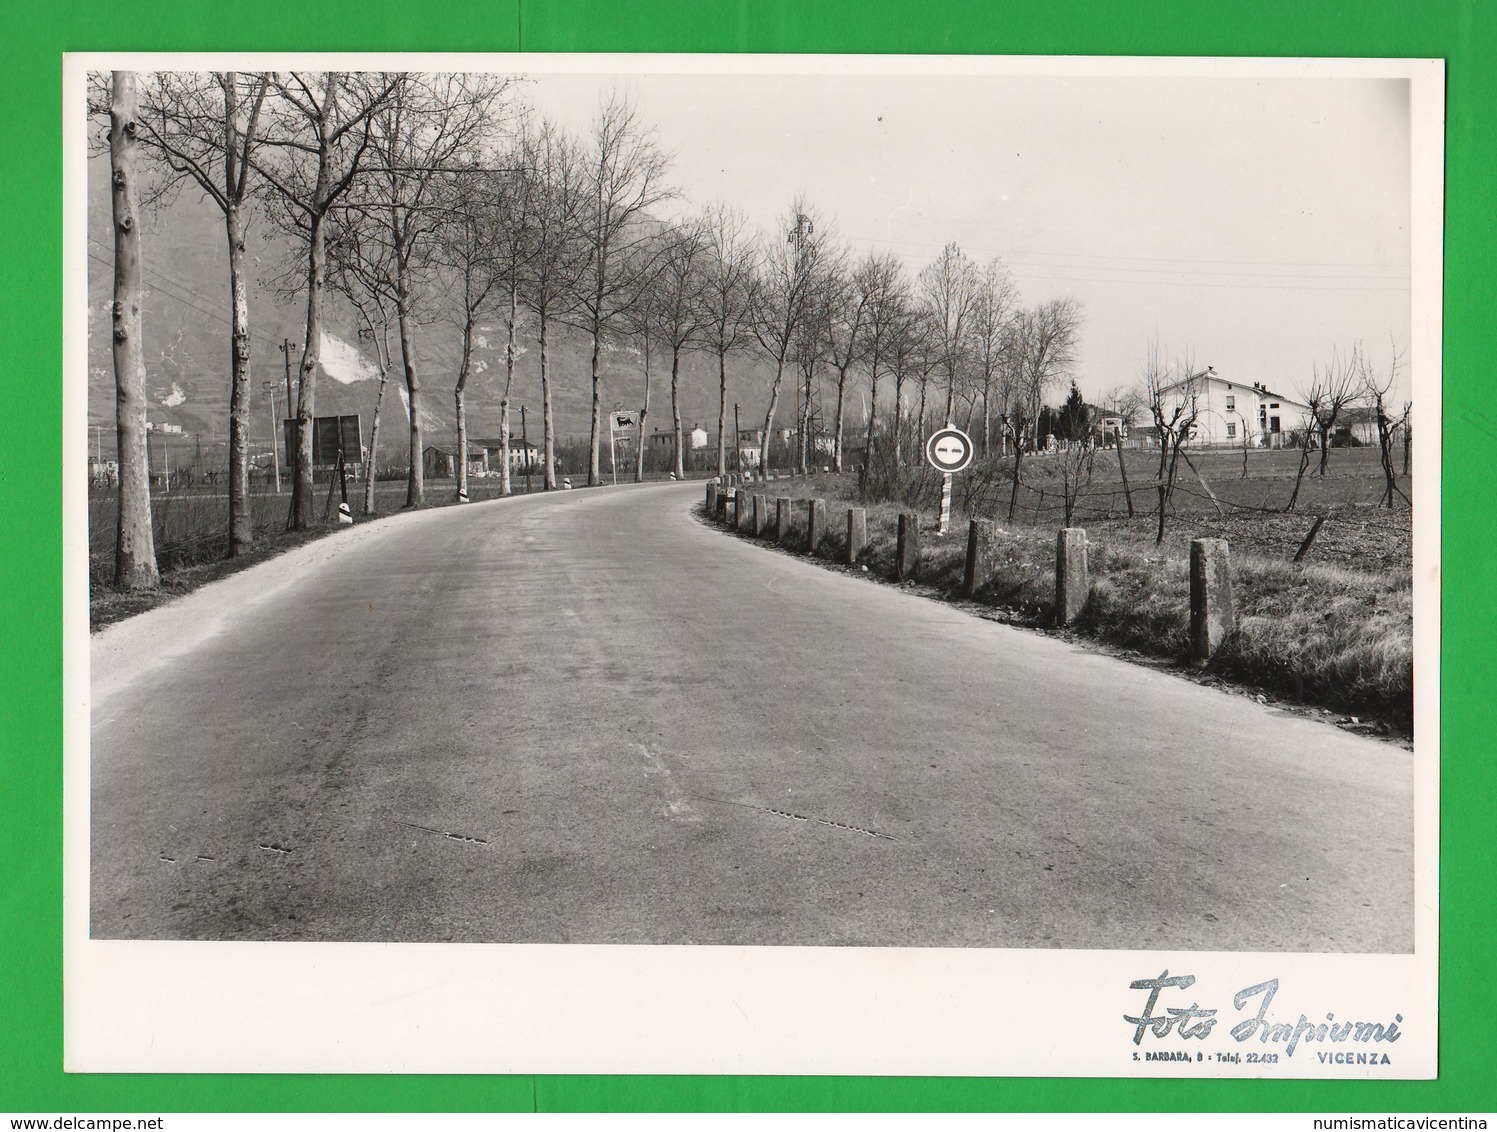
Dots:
(750, 448)
(1355, 427)
(1111, 428)
(104, 473)
(1232, 413)
(694, 438)
(440, 462)
(522, 455)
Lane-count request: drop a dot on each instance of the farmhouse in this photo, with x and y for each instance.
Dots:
(1233, 414)
(695, 438)
(522, 455)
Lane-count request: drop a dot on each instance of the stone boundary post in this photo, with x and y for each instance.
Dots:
(1072, 586)
(815, 524)
(857, 533)
(781, 518)
(1211, 614)
(711, 497)
(761, 515)
(742, 509)
(907, 547)
(982, 545)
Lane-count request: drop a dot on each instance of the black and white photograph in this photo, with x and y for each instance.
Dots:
(753, 564)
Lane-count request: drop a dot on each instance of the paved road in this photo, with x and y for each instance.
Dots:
(587, 717)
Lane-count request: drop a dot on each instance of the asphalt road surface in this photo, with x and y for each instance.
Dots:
(589, 717)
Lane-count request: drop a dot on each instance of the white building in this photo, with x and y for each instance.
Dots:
(1232, 413)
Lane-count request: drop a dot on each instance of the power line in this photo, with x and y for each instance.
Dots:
(1154, 259)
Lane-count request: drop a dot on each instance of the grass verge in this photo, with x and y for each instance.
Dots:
(1323, 636)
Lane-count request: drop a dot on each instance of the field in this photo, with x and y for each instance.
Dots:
(1334, 632)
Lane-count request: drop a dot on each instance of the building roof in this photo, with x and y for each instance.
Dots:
(514, 442)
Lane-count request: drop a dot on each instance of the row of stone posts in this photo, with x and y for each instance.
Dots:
(1211, 610)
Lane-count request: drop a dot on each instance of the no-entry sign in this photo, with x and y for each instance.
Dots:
(948, 450)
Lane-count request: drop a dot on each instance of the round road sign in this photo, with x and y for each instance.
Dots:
(948, 450)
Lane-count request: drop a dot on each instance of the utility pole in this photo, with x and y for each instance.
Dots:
(286, 349)
(275, 452)
(737, 444)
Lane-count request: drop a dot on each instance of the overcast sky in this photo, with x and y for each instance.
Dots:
(1260, 222)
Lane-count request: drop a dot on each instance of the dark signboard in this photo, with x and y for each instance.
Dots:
(328, 435)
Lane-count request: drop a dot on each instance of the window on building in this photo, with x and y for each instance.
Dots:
(1231, 429)
(1273, 405)
(1231, 403)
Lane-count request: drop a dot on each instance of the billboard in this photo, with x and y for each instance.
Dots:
(328, 435)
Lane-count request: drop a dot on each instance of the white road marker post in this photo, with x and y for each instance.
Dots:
(945, 520)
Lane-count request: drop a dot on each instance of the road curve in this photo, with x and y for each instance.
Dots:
(588, 717)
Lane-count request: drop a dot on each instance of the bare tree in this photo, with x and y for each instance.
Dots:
(948, 289)
(1172, 392)
(789, 276)
(1314, 397)
(625, 178)
(678, 314)
(359, 268)
(1077, 464)
(558, 259)
(726, 299)
(430, 129)
(1043, 352)
(883, 290)
(1376, 385)
(511, 200)
(204, 128)
(1338, 384)
(846, 317)
(471, 273)
(317, 138)
(135, 546)
(992, 328)
(642, 323)
(810, 354)
(907, 357)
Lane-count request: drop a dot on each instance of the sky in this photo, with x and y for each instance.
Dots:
(1260, 223)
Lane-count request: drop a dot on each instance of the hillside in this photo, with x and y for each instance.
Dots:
(187, 350)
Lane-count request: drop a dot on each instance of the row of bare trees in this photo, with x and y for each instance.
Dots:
(425, 198)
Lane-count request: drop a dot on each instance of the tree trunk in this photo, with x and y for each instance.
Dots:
(639, 455)
(593, 474)
(872, 419)
(722, 413)
(1013, 497)
(774, 402)
(1325, 447)
(302, 503)
(509, 378)
(676, 410)
(461, 410)
(898, 421)
(370, 466)
(241, 524)
(987, 417)
(415, 490)
(135, 545)
(1304, 465)
(837, 441)
(548, 438)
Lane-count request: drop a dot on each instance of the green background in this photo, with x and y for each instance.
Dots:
(1460, 31)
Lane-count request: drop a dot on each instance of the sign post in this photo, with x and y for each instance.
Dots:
(949, 450)
(617, 422)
